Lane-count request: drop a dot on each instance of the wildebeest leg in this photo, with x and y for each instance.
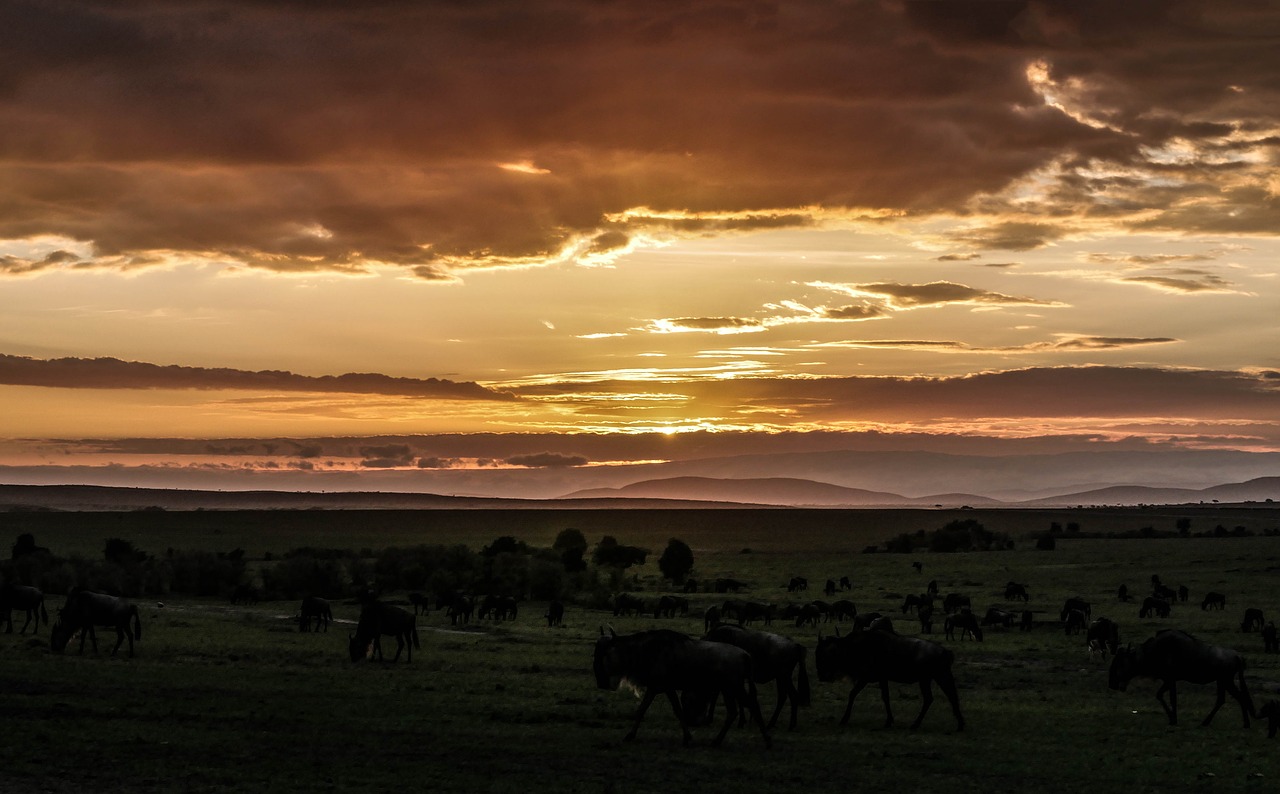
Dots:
(649, 695)
(399, 648)
(926, 700)
(853, 693)
(28, 623)
(1170, 708)
(888, 712)
(120, 641)
(947, 683)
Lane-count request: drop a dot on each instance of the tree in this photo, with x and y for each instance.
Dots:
(572, 546)
(1184, 526)
(610, 552)
(676, 561)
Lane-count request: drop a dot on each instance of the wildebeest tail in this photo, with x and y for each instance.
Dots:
(803, 690)
(137, 622)
(416, 644)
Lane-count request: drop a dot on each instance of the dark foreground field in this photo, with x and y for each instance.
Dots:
(223, 697)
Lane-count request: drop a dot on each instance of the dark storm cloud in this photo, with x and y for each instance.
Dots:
(111, 373)
(544, 460)
(435, 136)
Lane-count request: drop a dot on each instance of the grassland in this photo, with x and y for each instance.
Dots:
(224, 697)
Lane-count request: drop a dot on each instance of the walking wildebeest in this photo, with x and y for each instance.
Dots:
(420, 603)
(84, 610)
(1172, 656)
(1270, 640)
(881, 657)
(627, 604)
(555, 614)
(1075, 603)
(314, 613)
(752, 611)
(1253, 619)
(998, 617)
(378, 619)
(843, 609)
(1214, 601)
(1152, 605)
(1103, 636)
(664, 662)
(1075, 622)
(967, 622)
(954, 602)
(773, 658)
(809, 614)
(1016, 592)
(458, 606)
(29, 599)
(797, 583)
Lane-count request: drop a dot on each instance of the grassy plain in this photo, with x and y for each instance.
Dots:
(225, 697)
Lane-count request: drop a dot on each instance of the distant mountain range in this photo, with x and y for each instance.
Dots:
(674, 492)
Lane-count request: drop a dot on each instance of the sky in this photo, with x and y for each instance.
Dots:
(263, 236)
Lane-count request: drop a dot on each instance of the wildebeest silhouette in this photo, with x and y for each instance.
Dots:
(669, 605)
(711, 618)
(1103, 636)
(926, 619)
(627, 604)
(1122, 594)
(880, 657)
(845, 584)
(919, 566)
(1214, 601)
(84, 610)
(829, 589)
(773, 658)
(555, 614)
(1016, 592)
(420, 603)
(1270, 640)
(998, 617)
(797, 583)
(690, 585)
(916, 602)
(1270, 711)
(809, 615)
(726, 585)
(1075, 622)
(378, 620)
(954, 602)
(314, 614)
(1075, 602)
(843, 609)
(869, 620)
(1165, 593)
(505, 607)
(458, 606)
(1172, 656)
(1028, 620)
(665, 662)
(1183, 592)
(932, 588)
(967, 622)
(26, 598)
(1154, 606)
(1253, 620)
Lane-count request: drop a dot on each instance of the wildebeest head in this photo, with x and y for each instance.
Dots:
(825, 659)
(607, 665)
(359, 649)
(1123, 668)
(59, 635)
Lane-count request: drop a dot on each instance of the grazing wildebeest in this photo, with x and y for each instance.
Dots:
(1172, 656)
(954, 602)
(1016, 592)
(733, 609)
(669, 605)
(870, 620)
(664, 662)
(1122, 594)
(1075, 622)
(726, 585)
(797, 583)
(966, 621)
(1271, 712)
(754, 610)
(1214, 601)
(1103, 636)
(919, 566)
(773, 658)
(627, 604)
(1253, 619)
(314, 613)
(1270, 640)
(824, 607)
(84, 610)
(691, 585)
(420, 604)
(809, 615)
(1152, 605)
(926, 620)
(458, 606)
(555, 613)
(1028, 620)
(1183, 592)
(1164, 593)
(932, 588)
(506, 607)
(843, 609)
(881, 656)
(378, 619)
(998, 617)
(1075, 603)
(845, 584)
(28, 599)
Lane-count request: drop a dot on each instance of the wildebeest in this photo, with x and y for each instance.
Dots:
(1214, 601)
(845, 584)
(1253, 619)
(843, 609)
(926, 619)
(711, 618)
(809, 615)
(555, 613)
(1183, 592)
(378, 620)
(1075, 603)
(773, 658)
(954, 602)
(870, 620)
(998, 617)
(420, 603)
(314, 613)
(1028, 621)
(1270, 640)
(84, 610)
(919, 566)
(829, 589)
(1172, 656)
(1165, 593)
(916, 602)
(1016, 592)
(752, 611)
(627, 604)
(458, 606)
(28, 599)
(881, 657)
(726, 585)
(1271, 712)
(932, 587)
(1075, 622)
(664, 662)
(669, 605)
(1122, 594)
(1102, 637)
(967, 622)
(691, 585)
(797, 583)
(1153, 606)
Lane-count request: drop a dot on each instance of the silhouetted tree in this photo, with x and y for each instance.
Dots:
(572, 546)
(676, 561)
(613, 554)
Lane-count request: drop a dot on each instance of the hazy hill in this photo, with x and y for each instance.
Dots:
(772, 491)
(1262, 489)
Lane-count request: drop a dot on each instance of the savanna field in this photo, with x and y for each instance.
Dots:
(224, 696)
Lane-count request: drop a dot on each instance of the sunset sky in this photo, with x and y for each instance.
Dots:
(233, 233)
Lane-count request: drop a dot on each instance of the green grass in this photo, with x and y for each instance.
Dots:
(233, 698)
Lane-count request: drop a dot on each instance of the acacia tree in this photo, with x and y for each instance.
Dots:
(676, 561)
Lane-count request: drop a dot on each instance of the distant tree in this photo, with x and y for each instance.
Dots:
(572, 546)
(122, 552)
(26, 544)
(676, 561)
(1184, 526)
(504, 545)
(609, 552)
